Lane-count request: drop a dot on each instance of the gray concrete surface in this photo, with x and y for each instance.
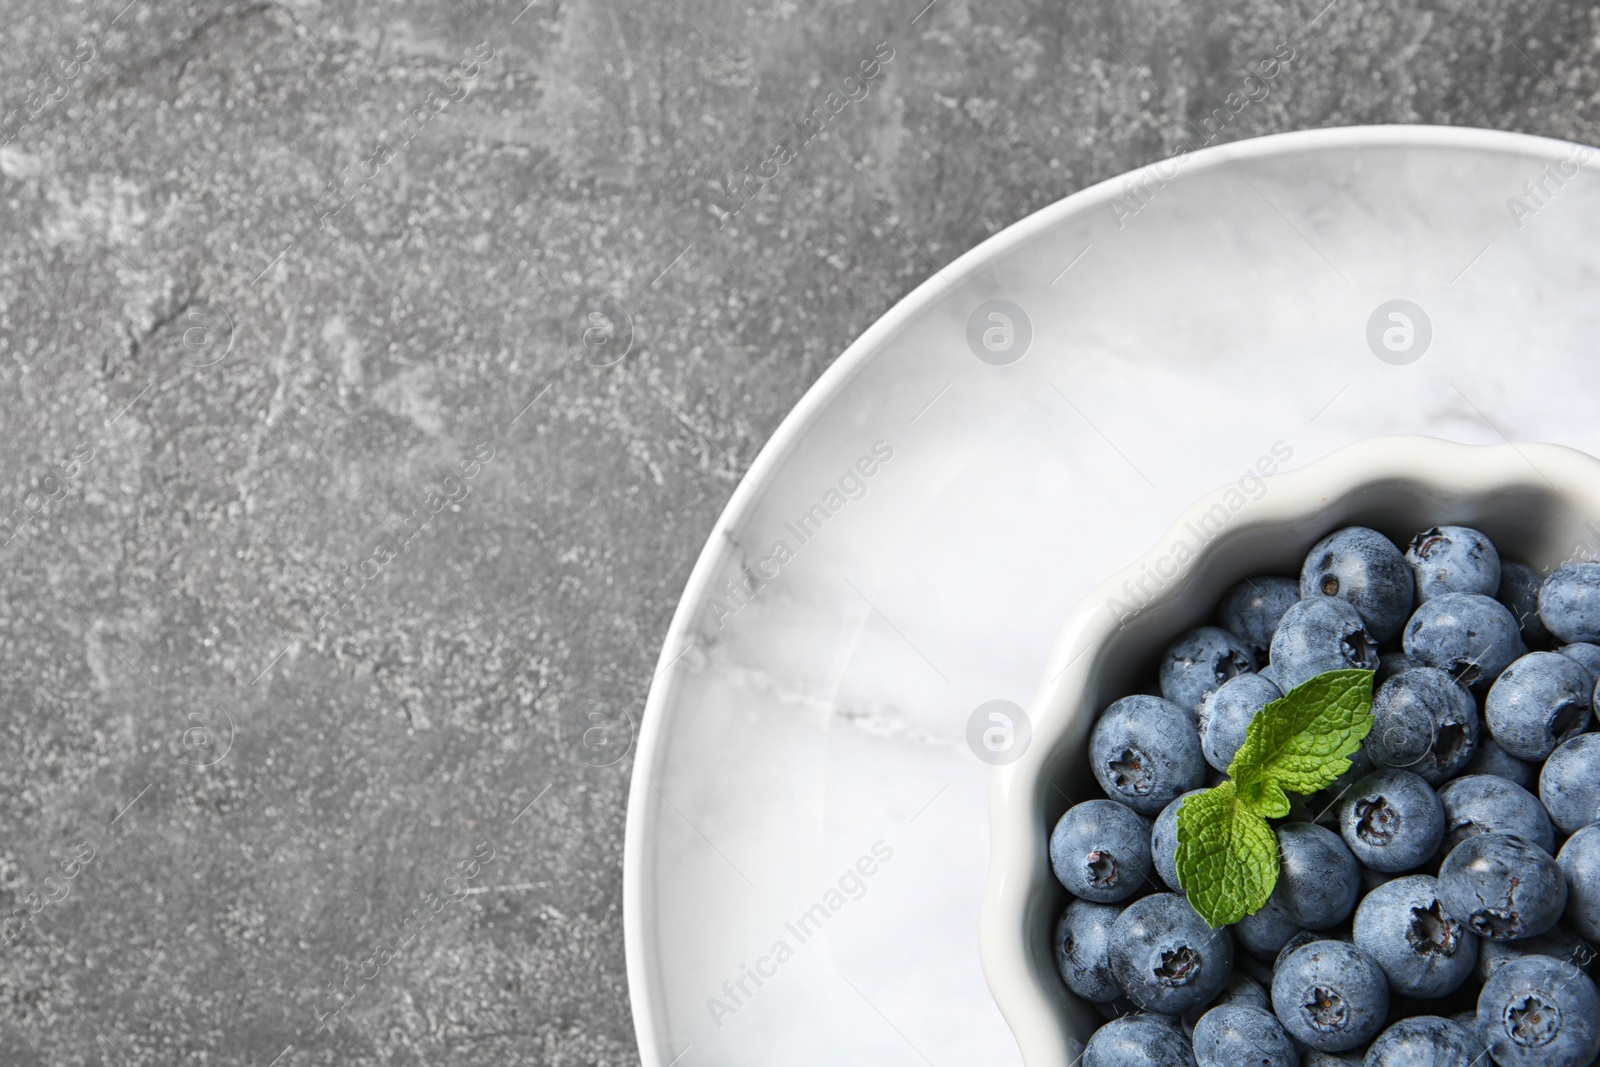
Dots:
(226, 789)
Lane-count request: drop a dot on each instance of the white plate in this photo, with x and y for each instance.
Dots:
(1174, 346)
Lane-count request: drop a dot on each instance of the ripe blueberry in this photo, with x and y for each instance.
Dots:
(1569, 784)
(1330, 995)
(1426, 1041)
(1472, 636)
(1233, 1035)
(1569, 602)
(1100, 850)
(1251, 610)
(1200, 661)
(1226, 712)
(1164, 843)
(1424, 721)
(1482, 803)
(1502, 887)
(1392, 820)
(1241, 989)
(1166, 958)
(1365, 569)
(1144, 751)
(1083, 950)
(1540, 1012)
(1586, 654)
(1318, 879)
(1519, 592)
(1317, 635)
(1541, 700)
(1138, 1041)
(1423, 952)
(1494, 760)
(1264, 933)
(1579, 859)
(1453, 559)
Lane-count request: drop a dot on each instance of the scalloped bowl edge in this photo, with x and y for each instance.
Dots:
(1538, 502)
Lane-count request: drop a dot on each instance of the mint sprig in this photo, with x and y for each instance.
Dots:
(1300, 743)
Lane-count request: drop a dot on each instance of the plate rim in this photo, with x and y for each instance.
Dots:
(647, 1005)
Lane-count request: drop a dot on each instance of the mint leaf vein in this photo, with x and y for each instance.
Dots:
(1227, 852)
(1227, 856)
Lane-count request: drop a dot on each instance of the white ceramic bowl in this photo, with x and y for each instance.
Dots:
(1539, 503)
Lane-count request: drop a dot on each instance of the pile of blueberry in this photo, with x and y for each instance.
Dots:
(1435, 906)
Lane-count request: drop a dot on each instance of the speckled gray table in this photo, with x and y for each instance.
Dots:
(370, 377)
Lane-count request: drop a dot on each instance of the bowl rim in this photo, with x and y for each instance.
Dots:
(1018, 864)
(647, 981)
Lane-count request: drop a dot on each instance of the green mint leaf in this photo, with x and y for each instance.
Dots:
(1300, 741)
(1263, 796)
(1227, 856)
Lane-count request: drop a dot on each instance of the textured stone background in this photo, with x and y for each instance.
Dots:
(176, 577)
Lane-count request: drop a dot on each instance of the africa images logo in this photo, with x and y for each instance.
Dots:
(743, 186)
(852, 485)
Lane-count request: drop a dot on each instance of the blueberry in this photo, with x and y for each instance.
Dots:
(1425, 1041)
(1324, 804)
(1453, 559)
(1238, 1035)
(1226, 712)
(1558, 943)
(1251, 610)
(1569, 602)
(1580, 862)
(1138, 1041)
(1317, 635)
(1365, 569)
(1502, 887)
(1166, 958)
(1472, 636)
(1200, 661)
(1587, 655)
(1330, 995)
(1393, 662)
(1100, 850)
(1541, 700)
(1569, 784)
(1241, 990)
(1164, 842)
(1264, 933)
(1083, 943)
(1424, 721)
(1492, 759)
(1306, 937)
(1519, 592)
(1481, 803)
(1392, 820)
(1318, 879)
(1423, 952)
(1468, 1021)
(1144, 751)
(1540, 1012)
